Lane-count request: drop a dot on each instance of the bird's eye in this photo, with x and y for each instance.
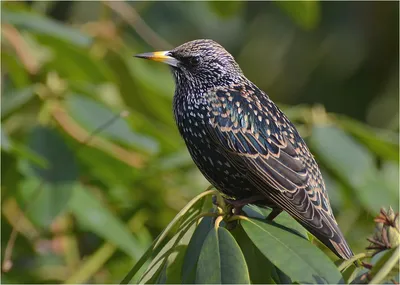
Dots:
(194, 60)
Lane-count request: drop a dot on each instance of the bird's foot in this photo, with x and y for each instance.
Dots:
(275, 212)
(237, 205)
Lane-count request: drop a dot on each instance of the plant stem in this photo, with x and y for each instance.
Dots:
(348, 262)
(387, 267)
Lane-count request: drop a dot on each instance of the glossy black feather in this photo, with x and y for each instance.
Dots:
(257, 136)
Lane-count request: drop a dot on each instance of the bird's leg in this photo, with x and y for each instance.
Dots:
(239, 204)
(275, 212)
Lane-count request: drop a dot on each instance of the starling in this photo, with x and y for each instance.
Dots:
(243, 143)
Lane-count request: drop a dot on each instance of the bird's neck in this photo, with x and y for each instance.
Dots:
(191, 87)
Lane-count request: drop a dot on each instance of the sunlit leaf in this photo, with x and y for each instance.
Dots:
(295, 256)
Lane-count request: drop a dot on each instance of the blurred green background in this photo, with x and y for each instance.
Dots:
(93, 167)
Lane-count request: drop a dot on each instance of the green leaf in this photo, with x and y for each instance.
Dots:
(296, 257)
(42, 25)
(154, 247)
(44, 201)
(351, 273)
(221, 260)
(193, 251)
(353, 164)
(16, 99)
(61, 167)
(283, 219)
(93, 115)
(382, 143)
(174, 269)
(48, 189)
(305, 13)
(167, 256)
(254, 258)
(95, 217)
(387, 266)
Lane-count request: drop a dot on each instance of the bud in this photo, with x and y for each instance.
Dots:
(387, 231)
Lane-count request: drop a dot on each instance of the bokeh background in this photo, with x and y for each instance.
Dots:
(93, 167)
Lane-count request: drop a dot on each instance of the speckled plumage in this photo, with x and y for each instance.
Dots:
(243, 144)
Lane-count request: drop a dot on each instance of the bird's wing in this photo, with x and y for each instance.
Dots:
(259, 139)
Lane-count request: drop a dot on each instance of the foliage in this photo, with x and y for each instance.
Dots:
(257, 251)
(94, 168)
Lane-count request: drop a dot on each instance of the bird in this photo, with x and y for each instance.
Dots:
(243, 144)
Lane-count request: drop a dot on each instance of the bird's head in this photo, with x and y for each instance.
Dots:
(198, 61)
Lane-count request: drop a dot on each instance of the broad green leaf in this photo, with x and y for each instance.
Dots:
(48, 189)
(305, 13)
(16, 99)
(283, 219)
(194, 249)
(44, 201)
(299, 259)
(42, 25)
(95, 217)
(382, 143)
(93, 115)
(174, 269)
(353, 164)
(61, 167)
(261, 270)
(221, 260)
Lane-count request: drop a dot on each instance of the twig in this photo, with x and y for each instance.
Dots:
(78, 133)
(21, 48)
(129, 15)
(7, 263)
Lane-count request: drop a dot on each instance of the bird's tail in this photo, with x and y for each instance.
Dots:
(336, 242)
(342, 249)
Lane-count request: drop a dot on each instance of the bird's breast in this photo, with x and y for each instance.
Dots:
(192, 119)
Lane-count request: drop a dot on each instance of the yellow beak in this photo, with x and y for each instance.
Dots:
(161, 56)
